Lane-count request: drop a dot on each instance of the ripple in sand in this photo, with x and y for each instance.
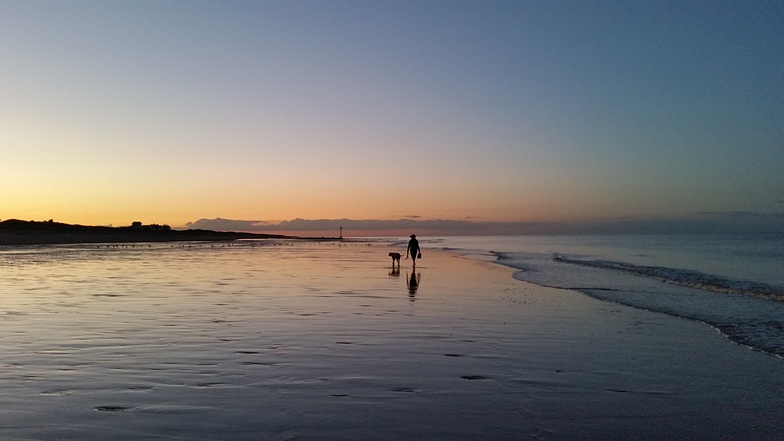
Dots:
(637, 392)
(211, 385)
(475, 377)
(137, 389)
(57, 392)
(113, 408)
(404, 389)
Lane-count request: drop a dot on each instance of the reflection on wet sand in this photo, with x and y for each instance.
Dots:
(413, 284)
(142, 343)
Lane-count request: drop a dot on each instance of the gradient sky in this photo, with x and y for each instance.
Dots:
(172, 111)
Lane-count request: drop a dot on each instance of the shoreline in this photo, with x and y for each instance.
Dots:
(683, 376)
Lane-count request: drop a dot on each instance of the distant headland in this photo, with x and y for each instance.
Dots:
(19, 232)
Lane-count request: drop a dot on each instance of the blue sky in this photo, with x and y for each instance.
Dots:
(173, 111)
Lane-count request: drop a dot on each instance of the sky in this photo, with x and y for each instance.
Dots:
(471, 112)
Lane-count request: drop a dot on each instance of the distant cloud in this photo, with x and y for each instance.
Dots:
(219, 224)
(730, 213)
(706, 222)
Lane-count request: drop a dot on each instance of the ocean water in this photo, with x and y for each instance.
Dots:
(732, 282)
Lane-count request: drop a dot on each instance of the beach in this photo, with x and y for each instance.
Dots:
(305, 340)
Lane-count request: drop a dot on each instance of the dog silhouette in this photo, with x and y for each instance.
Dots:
(395, 257)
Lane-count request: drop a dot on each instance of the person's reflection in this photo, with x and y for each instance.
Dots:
(413, 284)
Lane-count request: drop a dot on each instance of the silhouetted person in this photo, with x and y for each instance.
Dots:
(413, 247)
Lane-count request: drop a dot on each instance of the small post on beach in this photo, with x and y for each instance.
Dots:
(341, 233)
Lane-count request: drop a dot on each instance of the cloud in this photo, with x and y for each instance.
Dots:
(219, 224)
(404, 225)
(741, 221)
(705, 222)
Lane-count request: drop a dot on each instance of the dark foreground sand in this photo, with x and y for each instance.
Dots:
(327, 342)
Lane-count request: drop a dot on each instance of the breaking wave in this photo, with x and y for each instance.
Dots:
(682, 277)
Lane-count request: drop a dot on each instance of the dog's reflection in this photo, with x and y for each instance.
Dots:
(395, 271)
(413, 284)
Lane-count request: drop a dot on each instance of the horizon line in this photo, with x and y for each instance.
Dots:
(704, 222)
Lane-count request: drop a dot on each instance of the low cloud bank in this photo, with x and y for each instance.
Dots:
(713, 222)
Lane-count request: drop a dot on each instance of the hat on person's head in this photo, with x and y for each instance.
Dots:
(413, 236)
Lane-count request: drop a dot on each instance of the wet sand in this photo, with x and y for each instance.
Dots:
(325, 341)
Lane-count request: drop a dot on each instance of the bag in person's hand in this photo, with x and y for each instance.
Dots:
(419, 255)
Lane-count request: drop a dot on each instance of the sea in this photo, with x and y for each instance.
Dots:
(733, 282)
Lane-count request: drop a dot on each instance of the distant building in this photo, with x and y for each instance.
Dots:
(152, 227)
